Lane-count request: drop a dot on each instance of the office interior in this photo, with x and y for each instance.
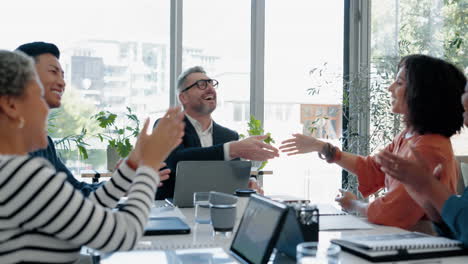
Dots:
(313, 67)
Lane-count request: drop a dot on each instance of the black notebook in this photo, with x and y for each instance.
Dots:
(401, 246)
(166, 226)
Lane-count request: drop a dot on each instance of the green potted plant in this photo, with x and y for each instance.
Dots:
(66, 142)
(256, 129)
(117, 134)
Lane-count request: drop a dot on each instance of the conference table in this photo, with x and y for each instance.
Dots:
(201, 246)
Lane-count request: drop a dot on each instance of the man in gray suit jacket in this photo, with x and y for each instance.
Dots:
(204, 139)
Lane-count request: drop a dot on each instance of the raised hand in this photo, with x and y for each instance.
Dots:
(415, 174)
(418, 179)
(154, 148)
(253, 148)
(299, 144)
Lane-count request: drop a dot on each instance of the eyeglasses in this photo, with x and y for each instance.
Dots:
(202, 84)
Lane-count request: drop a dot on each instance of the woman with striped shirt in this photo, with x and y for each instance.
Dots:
(43, 219)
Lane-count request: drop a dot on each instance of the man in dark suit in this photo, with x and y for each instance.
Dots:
(204, 139)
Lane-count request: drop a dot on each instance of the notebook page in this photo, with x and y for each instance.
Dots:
(329, 209)
(342, 222)
(186, 256)
(173, 245)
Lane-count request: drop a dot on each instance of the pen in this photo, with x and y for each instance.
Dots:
(169, 203)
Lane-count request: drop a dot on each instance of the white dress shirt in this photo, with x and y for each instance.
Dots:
(206, 137)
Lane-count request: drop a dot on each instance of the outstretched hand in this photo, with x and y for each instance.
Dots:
(418, 179)
(253, 148)
(299, 144)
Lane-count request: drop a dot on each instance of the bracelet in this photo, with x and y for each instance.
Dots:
(330, 153)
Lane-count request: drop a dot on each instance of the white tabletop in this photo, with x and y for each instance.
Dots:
(200, 246)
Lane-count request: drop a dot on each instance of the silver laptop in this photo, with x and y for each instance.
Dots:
(205, 176)
(253, 242)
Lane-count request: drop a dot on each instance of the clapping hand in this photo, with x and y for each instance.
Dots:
(153, 148)
(414, 174)
(418, 179)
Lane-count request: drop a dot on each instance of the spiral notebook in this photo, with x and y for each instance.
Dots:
(401, 246)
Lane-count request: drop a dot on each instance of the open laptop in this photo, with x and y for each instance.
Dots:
(258, 230)
(205, 176)
(253, 242)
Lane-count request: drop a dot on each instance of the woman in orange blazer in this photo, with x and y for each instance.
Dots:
(426, 92)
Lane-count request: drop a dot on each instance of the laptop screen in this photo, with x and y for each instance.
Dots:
(204, 176)
(258, 232)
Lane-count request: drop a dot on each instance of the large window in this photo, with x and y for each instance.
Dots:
(216, 35)
(399, 28)
(303, 87)
(115, 55)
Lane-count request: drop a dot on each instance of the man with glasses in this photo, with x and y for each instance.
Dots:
(204, 139)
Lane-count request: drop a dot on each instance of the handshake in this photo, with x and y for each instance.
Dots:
(253, 148)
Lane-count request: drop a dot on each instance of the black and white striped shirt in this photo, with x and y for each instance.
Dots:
(43, 219)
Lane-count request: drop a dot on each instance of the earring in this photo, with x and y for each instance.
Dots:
(21, 123)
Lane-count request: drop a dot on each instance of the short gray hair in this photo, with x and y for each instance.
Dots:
(183, 76)
(16, 70)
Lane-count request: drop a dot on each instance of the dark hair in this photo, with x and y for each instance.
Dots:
(433, 94)
(34, 49)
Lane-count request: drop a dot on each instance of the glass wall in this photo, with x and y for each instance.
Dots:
(303, 91)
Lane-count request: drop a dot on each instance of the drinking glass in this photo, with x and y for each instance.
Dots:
(316, 253)
(223, 213)
(201, 202)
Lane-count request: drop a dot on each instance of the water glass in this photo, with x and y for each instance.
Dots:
(316, 253)
(243, 197)
(201, 202)
(223, 213)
